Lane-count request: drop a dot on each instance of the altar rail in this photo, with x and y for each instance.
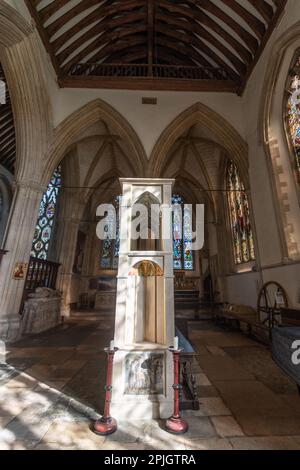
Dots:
(144, 71)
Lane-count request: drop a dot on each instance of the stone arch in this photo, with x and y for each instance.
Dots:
(232, 142)
(13, 26)
(22, 59)
(72, 127)
(285, 195)
(6, 194)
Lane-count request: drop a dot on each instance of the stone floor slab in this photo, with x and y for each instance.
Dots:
(226, 426)
(239, 387)
(209, 444)
(265, 443)
(252, 398)
(258, 425)
(223, 368)
(73, 434)
(221, 339)
(211, 406)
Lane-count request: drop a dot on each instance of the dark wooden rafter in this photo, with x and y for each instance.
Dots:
(7, 131)
(229, 35)
(151, 34)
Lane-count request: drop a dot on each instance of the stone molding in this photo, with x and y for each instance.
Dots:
(286, 230)
(13, 26)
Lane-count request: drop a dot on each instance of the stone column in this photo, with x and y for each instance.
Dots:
(19, 236)
(88, 266)
(69, 220)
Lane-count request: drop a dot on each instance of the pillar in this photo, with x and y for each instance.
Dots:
(18, 243)
(68, 225)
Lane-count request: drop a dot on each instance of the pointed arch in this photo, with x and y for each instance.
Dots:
(272, 135)
(13, 26)
(22, 62)
(70, 130)
(210, 120)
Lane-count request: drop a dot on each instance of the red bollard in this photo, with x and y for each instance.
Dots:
(107, 425)
(175, 424)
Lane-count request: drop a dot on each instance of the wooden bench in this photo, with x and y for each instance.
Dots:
(238, 315)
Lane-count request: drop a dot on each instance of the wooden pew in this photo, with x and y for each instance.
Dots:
(238, 315)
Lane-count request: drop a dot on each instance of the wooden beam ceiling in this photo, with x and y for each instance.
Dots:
(227, 37)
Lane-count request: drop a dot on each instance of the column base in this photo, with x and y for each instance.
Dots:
(104, 426)
(176, 425)
(65, 311)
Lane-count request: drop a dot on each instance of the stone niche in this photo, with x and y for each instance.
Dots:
(41, 311)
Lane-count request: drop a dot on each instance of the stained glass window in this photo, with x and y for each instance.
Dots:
(293, 113)
(45, 222)
(242, 236)
(110, 247)
(182, 235)
(182, 238)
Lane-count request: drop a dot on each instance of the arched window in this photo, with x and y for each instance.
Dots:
(110, 248)
(182, 235)
(182, 238)
(293, 112)
(45, 222)
(239, 212)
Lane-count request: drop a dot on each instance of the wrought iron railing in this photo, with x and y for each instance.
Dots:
(41, 273)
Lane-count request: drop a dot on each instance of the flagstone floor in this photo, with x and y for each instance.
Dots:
(51, 389)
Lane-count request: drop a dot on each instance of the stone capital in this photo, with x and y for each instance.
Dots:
(33, 185)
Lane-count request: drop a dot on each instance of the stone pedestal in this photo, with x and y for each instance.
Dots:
(144, 326)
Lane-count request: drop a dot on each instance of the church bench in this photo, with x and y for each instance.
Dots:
(236, 315)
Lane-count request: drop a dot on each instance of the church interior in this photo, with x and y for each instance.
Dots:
(114, 343)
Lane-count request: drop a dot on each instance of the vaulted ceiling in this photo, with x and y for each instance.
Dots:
(205, 44)
(7, 129)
